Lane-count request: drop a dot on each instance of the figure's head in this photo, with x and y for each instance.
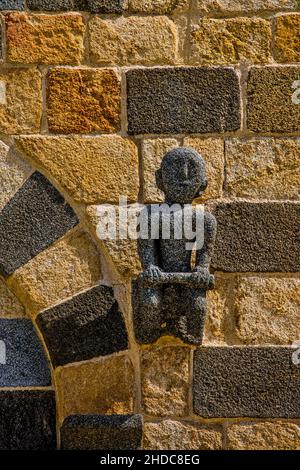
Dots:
(182, 175)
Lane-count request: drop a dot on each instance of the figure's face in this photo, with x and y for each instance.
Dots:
(182, 175)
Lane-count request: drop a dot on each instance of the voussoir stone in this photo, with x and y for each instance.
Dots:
(45, 39)
(133, 40)
(257, 237)
(180, 435)
(27, 420)
(10, 306)
(105, 387)
(99, 432)
(31, 221)
(246, 382)
(273, 98)
(287, 38)
(83, 101)
(243, 6)
(203, 100)
(86, 326)
(90, 169)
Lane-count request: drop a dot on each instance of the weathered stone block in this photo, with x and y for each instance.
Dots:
(105, 6)
(250, 382)
(203, 100)
(91, 169)
(180, 435)
(21, 100)
(83, 101)
(44, 39)
(273, 99)
(27, 420)
(12, 5)
(86, 326)
(25, 361)
(98, 432)
(287, 42)
(57, 5)
(261, 237)
(158, 7)
(33, 219)
(70, 266)
(240, 6)
(10, 307)
(263, 168)
(230, 41)
(133, 40)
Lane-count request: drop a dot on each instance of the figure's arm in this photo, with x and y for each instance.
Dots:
(204, 254)
(148, 246)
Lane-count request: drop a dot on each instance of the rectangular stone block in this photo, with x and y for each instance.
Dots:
(23, 360)
(234, 382)
(273, 97)
(243, 6)
(87, 326)
(106, 6)
(27, 420)
(257, 237)
(99, 432)
(12, 5)
(57, 5)
(32, 220)
(158, 7)
(179, 100)
(287, 38)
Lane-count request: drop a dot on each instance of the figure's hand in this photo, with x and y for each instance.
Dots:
(152, 273)
(205, 276)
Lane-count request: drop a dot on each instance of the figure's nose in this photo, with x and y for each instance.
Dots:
(184, 171)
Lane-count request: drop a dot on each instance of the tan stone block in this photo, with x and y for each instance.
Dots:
(90, 169)
(13, 173)
(133, 40)
(165, 380)
(212, 150)
(268, 310)
(44, 39)
(287, 38)
(21, 101)
(240, 6)
(158, 7)
(10, 307)
(83, 101)
(263, 168)
(264, 436)
(229, 41)
(176, 435)
(101, 387)
(63, 270)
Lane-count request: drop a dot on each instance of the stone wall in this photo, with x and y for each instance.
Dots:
(92, 93)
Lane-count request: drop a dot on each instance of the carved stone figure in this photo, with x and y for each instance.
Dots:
(169, 297)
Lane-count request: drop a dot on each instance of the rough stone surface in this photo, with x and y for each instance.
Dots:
(133, 40)
(267, 310)
(83, 101)
(22, 110)
(250, 382)
(177, 435)
(70, 266)
(105, 387)
(86, 326)
(44, 39)
(13, 173)
(165, 381)
(12, 5)
(10, 307)
(270, 99)
(199, 100)
(240, 6)
(158, 7)
(43, 216)
(287, 42)
(264, 436)
(27, 420)
(250, 237)
(57, 5)
(230, 41)
(105, 6)
(96, 432)
(263, 168)
(91, 169)
(26, 364)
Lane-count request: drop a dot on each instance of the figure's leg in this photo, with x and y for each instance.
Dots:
(190, 324)
(149, 318)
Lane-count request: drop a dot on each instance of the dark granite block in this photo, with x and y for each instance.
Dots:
(106, 6)
(242, 381)
(12, 4)
(96, 432)
(25, 362)
(87, 326)
(178, 100)
(261, 237)
(32, 220)
(27, 420)
(57, 5)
